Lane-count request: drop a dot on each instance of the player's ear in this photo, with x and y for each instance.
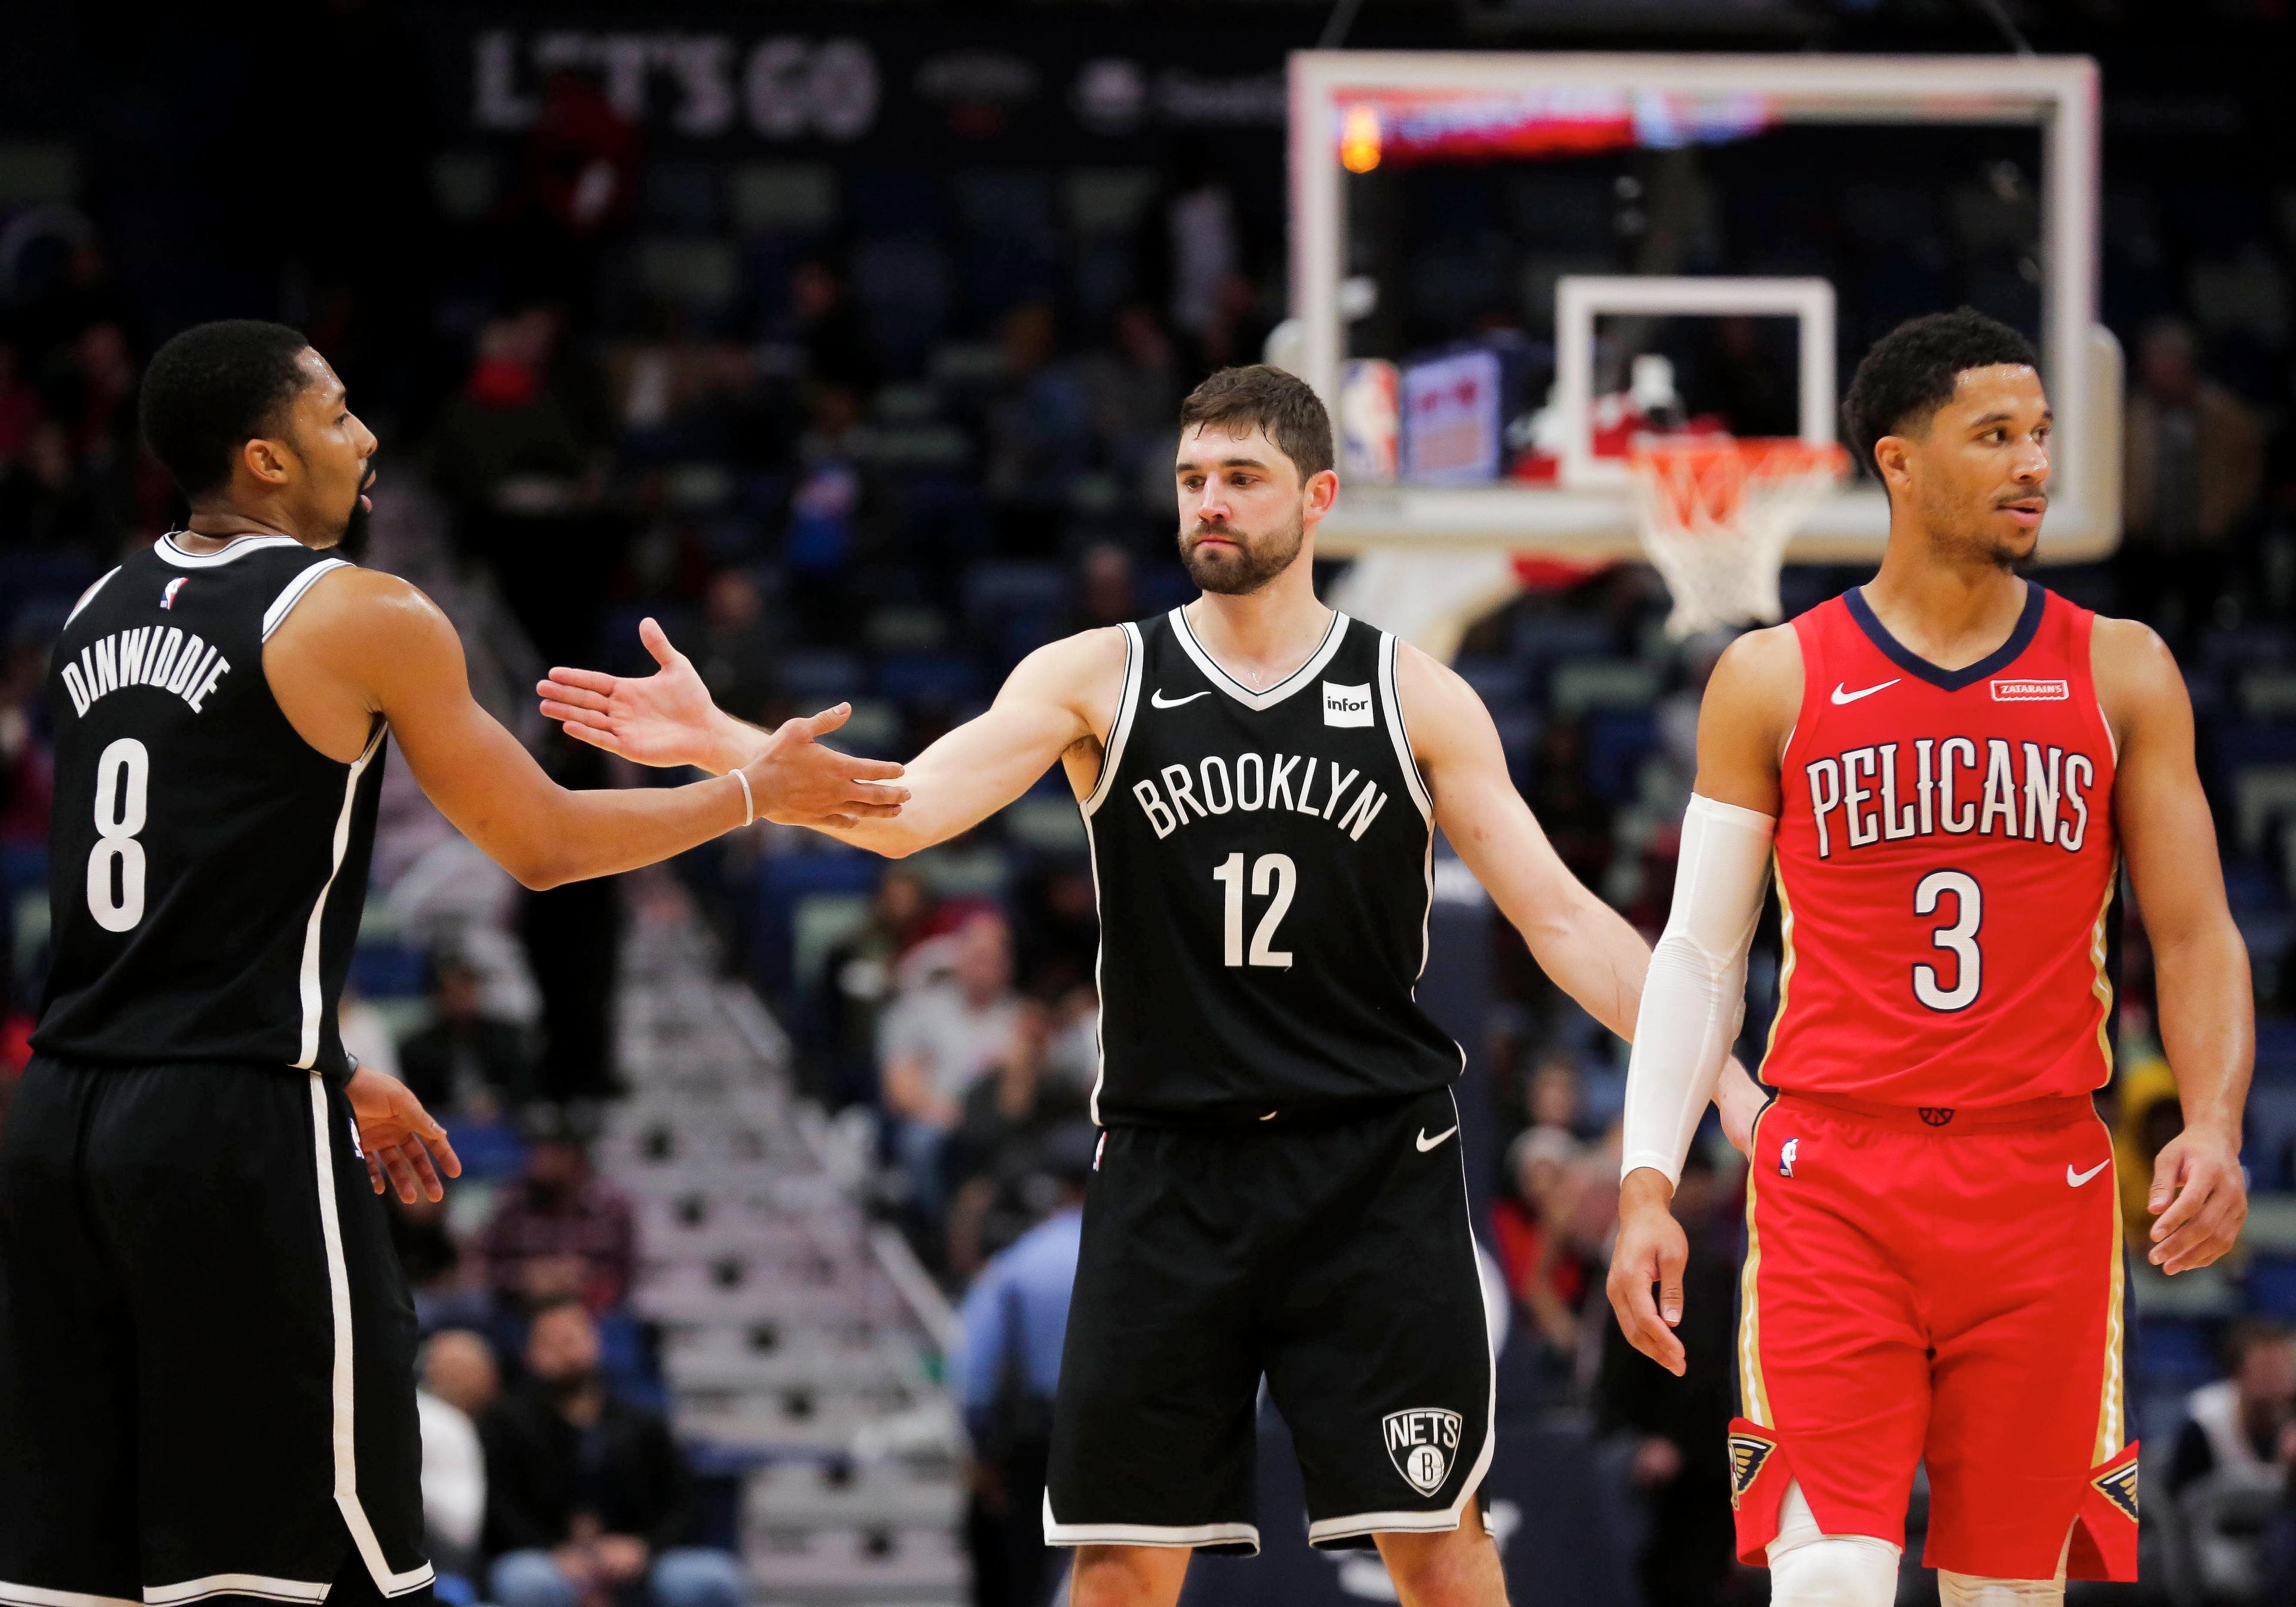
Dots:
(1323, 488)
(1892, 461)
(266, 459)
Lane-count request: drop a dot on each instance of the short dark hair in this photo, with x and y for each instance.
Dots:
(1263, 397)
(213, 389)
(1911, 372)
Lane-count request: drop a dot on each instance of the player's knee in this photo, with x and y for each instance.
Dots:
(1127, 1576)
(1453, 1567)
(1976, 1590)
(1810, 1568)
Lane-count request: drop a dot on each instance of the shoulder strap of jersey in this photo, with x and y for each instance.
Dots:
(1390, 694)
(1120, 726)
(1811, 628)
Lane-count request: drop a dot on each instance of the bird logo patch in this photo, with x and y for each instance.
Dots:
(168, 595)
(1747, 1453)
(2119, 1485)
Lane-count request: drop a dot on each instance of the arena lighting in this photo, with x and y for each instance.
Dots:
(1404, 127)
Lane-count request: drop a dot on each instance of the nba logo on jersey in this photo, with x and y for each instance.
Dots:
(1421, 1442)
(1786, 1157)
(167, 596)
(1347, 705)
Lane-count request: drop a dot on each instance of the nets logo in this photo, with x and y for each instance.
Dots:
(1422, 1443)
(2030, 691)
(1347, 705)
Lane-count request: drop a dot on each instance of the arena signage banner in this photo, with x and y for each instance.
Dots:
(867, 81)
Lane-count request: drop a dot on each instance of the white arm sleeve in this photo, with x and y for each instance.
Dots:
(1695, 995)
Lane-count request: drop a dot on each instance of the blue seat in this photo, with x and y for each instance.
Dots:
(1617, 739)
(2174, 1352)
(782, 882)
(2271, 1286)
(382, 969)
(909, 677)
(902, 282)
(819, 675)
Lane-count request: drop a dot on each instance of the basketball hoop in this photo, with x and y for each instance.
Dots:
(1716, 514)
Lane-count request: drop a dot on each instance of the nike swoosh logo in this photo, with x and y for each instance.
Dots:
(1158, 698)
(1427, 1144)
(1839, 696)
(2077, 1178)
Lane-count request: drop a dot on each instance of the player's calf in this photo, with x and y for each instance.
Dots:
(1456, 1568)
(1810, 1568)
(1127, 1576)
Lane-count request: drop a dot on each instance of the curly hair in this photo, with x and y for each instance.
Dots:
(1262, 396)
(1911, 372)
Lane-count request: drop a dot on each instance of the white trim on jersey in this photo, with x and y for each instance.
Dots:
(338, 1288)
(1390, 689)
(237, 547)
(1057, 1533)
(309, 980)
(86, 598)
(1128, 699)
(261, 1586)
(1437, 1522)
(293, 593)
(36, 1595)
(1236, 689)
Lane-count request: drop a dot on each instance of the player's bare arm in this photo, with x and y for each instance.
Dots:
(1584, 944)
(364, 644)
(1743, 722)
(1056, 705)
(2207, 1009)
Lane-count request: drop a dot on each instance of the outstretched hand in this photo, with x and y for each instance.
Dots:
(401, 1138)
(667, 719)
(2200, 1196)
(664, 719)
(1651, 1251)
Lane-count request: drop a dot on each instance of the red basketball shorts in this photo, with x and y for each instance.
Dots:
(1941, 1287)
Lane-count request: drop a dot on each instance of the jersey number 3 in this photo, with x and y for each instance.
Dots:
(1273, 873)
(123, 785)
(1958, 939)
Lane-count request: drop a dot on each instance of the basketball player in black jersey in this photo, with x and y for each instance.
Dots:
(1279, 1189)
(207, 1385)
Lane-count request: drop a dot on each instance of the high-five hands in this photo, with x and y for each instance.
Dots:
(668, 718)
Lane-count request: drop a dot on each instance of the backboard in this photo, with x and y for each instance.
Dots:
(1953, 179)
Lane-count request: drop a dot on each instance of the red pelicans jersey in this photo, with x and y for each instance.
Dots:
(1945, 858)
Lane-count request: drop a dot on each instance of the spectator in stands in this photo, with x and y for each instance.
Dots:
(459, 1384)
(1106, 594)
(588, 1497)
(1006, 1367)
(937, 1043)
(1008, 1118)
(1134, 386)
(2192, 468)
(738, 645)
(857, 978)
(830, 332)
(1669, 1425)
(466, 1062)
(561, 1232)
(1531, 1226)
(1040, 423)
(2230, 1474)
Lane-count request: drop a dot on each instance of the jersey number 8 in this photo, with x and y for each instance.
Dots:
(123, 781)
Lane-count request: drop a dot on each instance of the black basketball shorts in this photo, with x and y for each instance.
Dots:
(207, 1349)
(1335, 1257)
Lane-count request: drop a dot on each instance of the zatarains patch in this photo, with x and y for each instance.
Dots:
(2031, 692)
(1747, 1453)
(2119, 1487)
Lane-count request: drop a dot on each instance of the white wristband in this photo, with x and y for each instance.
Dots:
(749, 798)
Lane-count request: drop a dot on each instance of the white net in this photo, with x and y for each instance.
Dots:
(1716, 515)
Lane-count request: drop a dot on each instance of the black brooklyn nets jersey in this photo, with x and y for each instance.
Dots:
(1263, 863)
(207, 865)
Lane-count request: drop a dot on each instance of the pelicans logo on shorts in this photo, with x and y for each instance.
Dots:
(1747, 1453)
(1422, 1443)
(2120, 1488)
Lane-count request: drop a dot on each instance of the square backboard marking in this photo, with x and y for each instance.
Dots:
(1580, 299)
(2081, 362)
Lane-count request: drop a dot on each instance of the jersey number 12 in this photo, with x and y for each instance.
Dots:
(1270, 873)
(123, 785)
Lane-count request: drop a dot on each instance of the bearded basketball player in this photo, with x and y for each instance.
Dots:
(1279, 1189)
(207, 1349)
(1947, 767)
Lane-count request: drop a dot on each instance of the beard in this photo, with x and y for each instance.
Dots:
(1256, 561)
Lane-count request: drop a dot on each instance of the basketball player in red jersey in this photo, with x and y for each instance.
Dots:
(1947, 767)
